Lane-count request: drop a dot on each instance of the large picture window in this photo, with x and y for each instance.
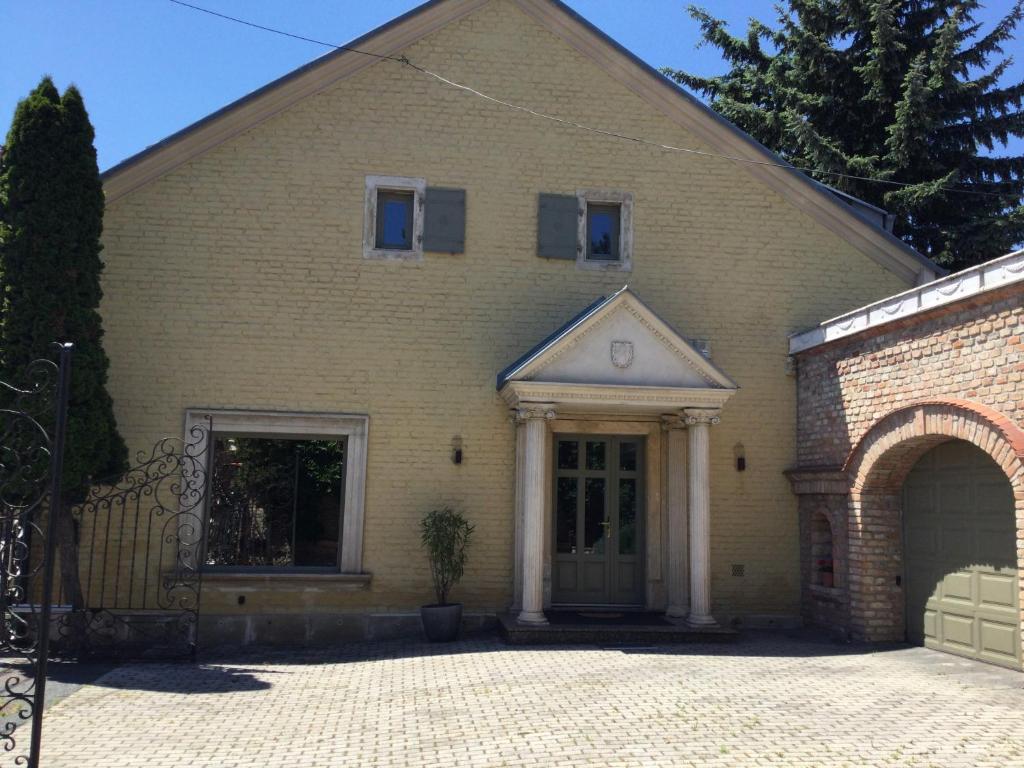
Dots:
(276, 502)
(287, 490)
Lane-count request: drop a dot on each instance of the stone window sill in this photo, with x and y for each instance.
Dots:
(332, 581)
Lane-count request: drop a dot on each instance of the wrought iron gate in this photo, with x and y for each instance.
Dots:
(140, 548)
(33, 417)
(132, 555)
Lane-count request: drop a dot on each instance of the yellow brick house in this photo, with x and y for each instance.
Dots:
(412, 296)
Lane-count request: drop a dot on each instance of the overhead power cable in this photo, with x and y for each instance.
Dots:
(404, 61)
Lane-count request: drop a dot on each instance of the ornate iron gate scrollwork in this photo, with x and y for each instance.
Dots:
(138, 550)
(140, 555)
(31, 454)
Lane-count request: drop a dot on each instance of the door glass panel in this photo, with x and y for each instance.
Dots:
(568, 454)
(593, 516)
(627, 516)
(595, 455)
(565, 514)
(627, 457)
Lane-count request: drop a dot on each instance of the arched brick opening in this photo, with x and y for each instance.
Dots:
(877, 467)
(823, 551)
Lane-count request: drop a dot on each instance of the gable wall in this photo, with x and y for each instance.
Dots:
(238, 281)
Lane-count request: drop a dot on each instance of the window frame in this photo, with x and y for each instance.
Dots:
(408, 202)
(586, 197)
(354, 428)
(375, 184)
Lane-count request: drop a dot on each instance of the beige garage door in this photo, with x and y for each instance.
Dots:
(961, 560)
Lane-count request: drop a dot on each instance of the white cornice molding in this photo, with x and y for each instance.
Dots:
(969, 283)
(611, 397)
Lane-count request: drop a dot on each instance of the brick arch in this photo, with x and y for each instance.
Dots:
(888, 451)
(877, 467)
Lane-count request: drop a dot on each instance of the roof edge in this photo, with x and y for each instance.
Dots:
(968, 283)
(909, 262)
(312, 77)
(623, 65)
(537, 349)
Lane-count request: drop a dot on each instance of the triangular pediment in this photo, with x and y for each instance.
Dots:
(617, 341)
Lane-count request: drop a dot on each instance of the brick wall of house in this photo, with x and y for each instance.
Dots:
(238, 281)
(972, 350)
(869, 406)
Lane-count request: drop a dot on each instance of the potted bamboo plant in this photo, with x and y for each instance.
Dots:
(445, 536)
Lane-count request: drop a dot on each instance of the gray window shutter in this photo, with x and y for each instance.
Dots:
(557, 218)
(444, 220)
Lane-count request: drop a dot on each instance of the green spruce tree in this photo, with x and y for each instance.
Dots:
(893, 90)
(51, 218)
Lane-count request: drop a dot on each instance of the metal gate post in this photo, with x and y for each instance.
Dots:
(56, 472)
(200, 550)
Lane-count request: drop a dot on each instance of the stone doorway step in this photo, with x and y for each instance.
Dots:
(608, 628)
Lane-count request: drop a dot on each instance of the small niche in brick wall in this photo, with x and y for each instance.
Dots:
(822, 557)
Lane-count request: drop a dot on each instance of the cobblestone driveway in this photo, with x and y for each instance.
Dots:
(763, 701)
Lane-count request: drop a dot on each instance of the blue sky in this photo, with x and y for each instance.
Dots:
(148, 68)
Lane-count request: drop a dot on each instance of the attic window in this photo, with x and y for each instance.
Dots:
(605, 230)
(393, 226)
(394, 219)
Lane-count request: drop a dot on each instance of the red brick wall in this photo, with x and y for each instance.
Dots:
(868, 407)
(969, 350)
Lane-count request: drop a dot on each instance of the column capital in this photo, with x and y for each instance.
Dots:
(672, 421)
(705, 416)
(524, 413)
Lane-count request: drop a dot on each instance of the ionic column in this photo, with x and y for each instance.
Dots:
(533, 423)
(698, 420)
(676, 581)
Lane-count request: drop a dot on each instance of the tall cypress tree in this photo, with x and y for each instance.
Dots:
(892, 90)
(51, 218)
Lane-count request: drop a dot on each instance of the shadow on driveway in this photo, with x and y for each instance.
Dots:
(230, 670)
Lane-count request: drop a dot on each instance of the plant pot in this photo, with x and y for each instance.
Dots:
(827, 579)
(441, 623)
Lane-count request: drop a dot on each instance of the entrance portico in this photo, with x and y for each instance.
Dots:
(614, 375)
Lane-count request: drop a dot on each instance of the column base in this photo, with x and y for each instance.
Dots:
(695, 620)
(532, 617)
(677, 611)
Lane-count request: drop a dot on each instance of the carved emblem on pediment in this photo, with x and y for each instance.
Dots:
(622, 354)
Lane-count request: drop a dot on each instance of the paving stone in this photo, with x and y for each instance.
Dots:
(768, 701)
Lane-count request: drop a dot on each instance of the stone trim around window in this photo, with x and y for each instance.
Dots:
(354, 427)
(625, 202)
(402, 184)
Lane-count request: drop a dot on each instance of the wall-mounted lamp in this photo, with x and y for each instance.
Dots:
(457, 450)
(741, 459)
